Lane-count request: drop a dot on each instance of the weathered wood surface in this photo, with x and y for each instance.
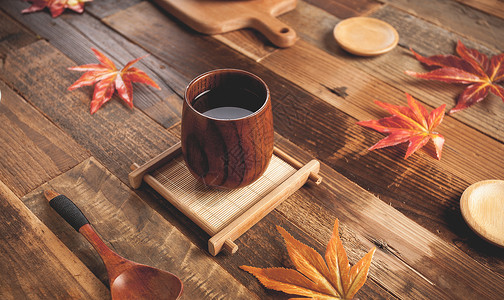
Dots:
(35, 263)
(493, 7)
(333, 199)
(344, 150)
(407, 208)
(260, 246)
(411, 251)
(32, 150)
(133, 229)
(346, 8)
(12, 36)
(458, 18)
(315, 26)
(116, 137)
(76, 36)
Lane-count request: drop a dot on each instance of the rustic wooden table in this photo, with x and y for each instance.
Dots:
(409, 209)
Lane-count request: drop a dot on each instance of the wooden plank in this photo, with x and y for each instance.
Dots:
(137, 15)
(260, 246)
(305, 71)
(257, 47)
(249, 42)
(35, 263)
(456, 17)
(335, 137)
(315, 26)
(12, 35)
(104, 8)
(215, 17)
(33, 149)
(419, 174)
(397, 267)
(75, 34)
(133, 229)
(414, 33)
(493, 7)
(116, 134)
(346, 8)
(425, 262)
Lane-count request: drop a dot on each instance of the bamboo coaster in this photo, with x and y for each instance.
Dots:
(366, 36)
(223, 214)
(482, 206)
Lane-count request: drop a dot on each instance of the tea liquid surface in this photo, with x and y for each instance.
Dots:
(227, 103)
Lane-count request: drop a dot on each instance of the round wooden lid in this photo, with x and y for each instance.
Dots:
(482, 206)
(366, 36)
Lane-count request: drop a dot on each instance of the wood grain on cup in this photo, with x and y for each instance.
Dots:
(227, 153)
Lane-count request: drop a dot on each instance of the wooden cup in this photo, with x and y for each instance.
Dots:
(227, 153)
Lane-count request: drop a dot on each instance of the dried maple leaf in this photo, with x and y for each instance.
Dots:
(413, 124)
(108, 78)
(56, 6)
(472, 67)
(313, 277)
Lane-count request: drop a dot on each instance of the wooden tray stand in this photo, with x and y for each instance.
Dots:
(224, 214)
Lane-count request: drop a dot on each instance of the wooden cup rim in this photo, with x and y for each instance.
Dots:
(229, 71)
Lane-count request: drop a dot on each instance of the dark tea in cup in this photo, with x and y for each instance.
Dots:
(227, 128)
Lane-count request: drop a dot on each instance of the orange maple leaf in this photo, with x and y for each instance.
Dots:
(413, 124)
(313, 277)
(108, 78)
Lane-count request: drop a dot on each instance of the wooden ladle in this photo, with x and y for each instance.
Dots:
(128, 279)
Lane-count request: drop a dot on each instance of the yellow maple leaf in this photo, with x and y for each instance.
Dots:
(314, 278)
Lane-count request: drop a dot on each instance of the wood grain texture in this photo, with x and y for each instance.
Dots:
(345, 150)
(408, 251)
(116, 134)
(346, 8)
(249, 42)
(12, 35)
(414, 33)
(215, 17)
(359, 104)
(33, 150)
(31, 256)
(75, 35)
(227, 153)
(133, 229)
(315, 26)
(411, 259)
(458, 18)
(260, 246)
(102, 9)
(493, 7)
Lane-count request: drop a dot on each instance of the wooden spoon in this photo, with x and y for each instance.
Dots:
(128, 279)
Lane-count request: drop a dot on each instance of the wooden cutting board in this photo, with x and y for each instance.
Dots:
(220, 16)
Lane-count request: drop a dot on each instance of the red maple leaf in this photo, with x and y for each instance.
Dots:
(413, 124)
(108, 78)
(56, 6)
(472, 67)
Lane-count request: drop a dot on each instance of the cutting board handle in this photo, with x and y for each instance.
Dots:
(276, 31)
